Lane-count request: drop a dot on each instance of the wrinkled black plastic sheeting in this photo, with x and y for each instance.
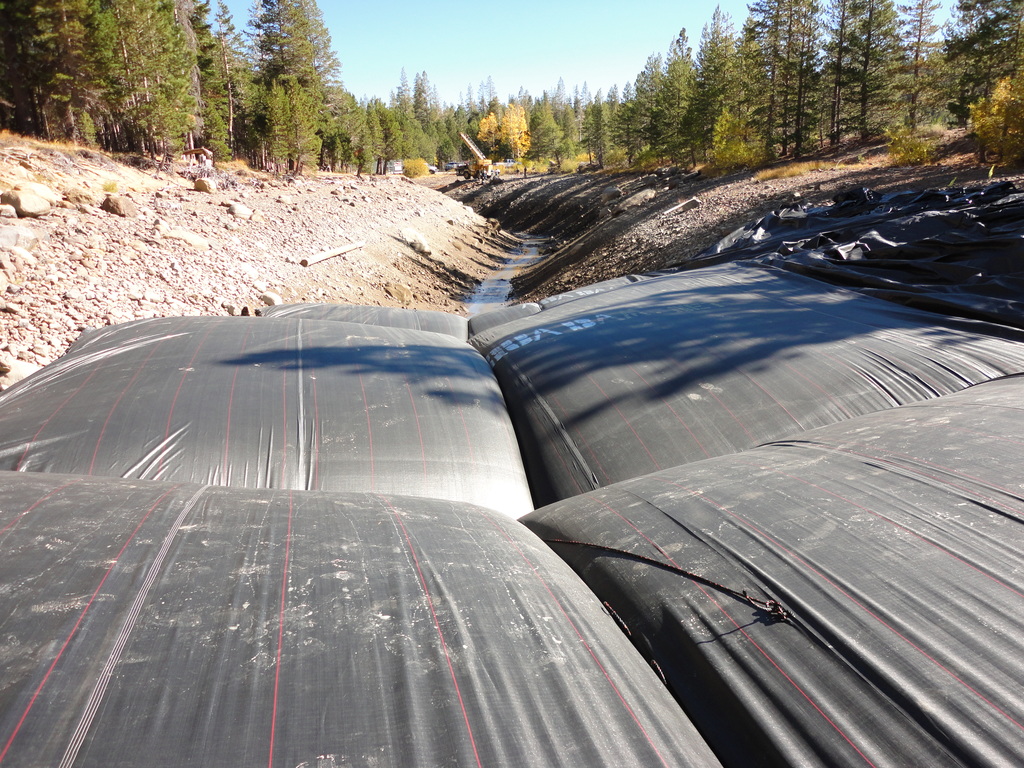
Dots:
(896, 543)
(392, 317)
(271, 403)
(145, 623)
(485, 321)
(953, 251)
(494, 317)
(683, 367)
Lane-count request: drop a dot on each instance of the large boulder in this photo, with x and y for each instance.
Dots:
(399, 292)
(188, 236)
(13, 370)
(27, 204)
(416, 241)
(79, 196)
(120, 206)
(22, 237)
(640, 198)
(609, 194)
(42, 190)
(240, 211)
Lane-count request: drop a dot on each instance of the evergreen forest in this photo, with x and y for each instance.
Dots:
(154, 77)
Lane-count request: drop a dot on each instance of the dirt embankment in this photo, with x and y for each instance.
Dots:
(608, 225)
(169, 249)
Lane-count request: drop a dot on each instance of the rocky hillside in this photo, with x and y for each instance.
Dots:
(86, 241)
(607, 225)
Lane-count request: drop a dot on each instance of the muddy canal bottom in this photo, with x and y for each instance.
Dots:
(496, 290)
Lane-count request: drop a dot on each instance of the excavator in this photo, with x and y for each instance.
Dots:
(481, 166)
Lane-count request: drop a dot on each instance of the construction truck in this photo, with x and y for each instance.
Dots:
(478, 168)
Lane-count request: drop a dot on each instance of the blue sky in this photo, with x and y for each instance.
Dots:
(528, 43)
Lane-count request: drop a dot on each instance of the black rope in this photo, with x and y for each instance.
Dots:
(773, 608)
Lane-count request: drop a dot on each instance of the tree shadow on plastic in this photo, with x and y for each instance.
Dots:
(390, 317)
(456, 376)
(680, 368)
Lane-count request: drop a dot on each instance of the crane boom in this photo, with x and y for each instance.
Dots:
(472, 147)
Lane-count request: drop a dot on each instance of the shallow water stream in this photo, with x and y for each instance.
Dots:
(494, 292)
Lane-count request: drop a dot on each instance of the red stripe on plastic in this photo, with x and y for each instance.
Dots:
(636, 434)
(910, 531)
(17, 519)
(174, 400)
(57, 410)
(280, 629)
(797, 558)
(437, 624)
(582, 639)
(735, 418)
(837, 403)
(78, 623)
(419, 432)
(672, 410)
(117, 402)
(741, 628)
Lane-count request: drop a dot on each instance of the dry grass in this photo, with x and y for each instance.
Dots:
(9, 139)
(790, 170)
(238, 167)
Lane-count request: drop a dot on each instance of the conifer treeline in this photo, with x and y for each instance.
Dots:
(152, 76)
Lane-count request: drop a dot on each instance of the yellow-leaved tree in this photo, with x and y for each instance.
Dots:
(488, 133)
(999, 121)
(515, 130)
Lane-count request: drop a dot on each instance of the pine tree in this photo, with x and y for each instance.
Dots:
(763, 58)
(568, 146)
(230, 71)
(876, 55)
(985, 45)
(294, 120)
(294, 58)
(545, 133)
(423, 108)
(800, 73)
(627, 130)
(595, 130)
(16, 101)
(784, 35)
(649, 113)
(390, 141)
(919, 30)
(212, 130)
(401, 99)
(146, 68)
(676, 128)
(838, 67)
(342, 134)
(715, 81)
(68, 85)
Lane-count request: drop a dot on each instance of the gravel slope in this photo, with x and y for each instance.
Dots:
(79, 267)
(608, 225)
